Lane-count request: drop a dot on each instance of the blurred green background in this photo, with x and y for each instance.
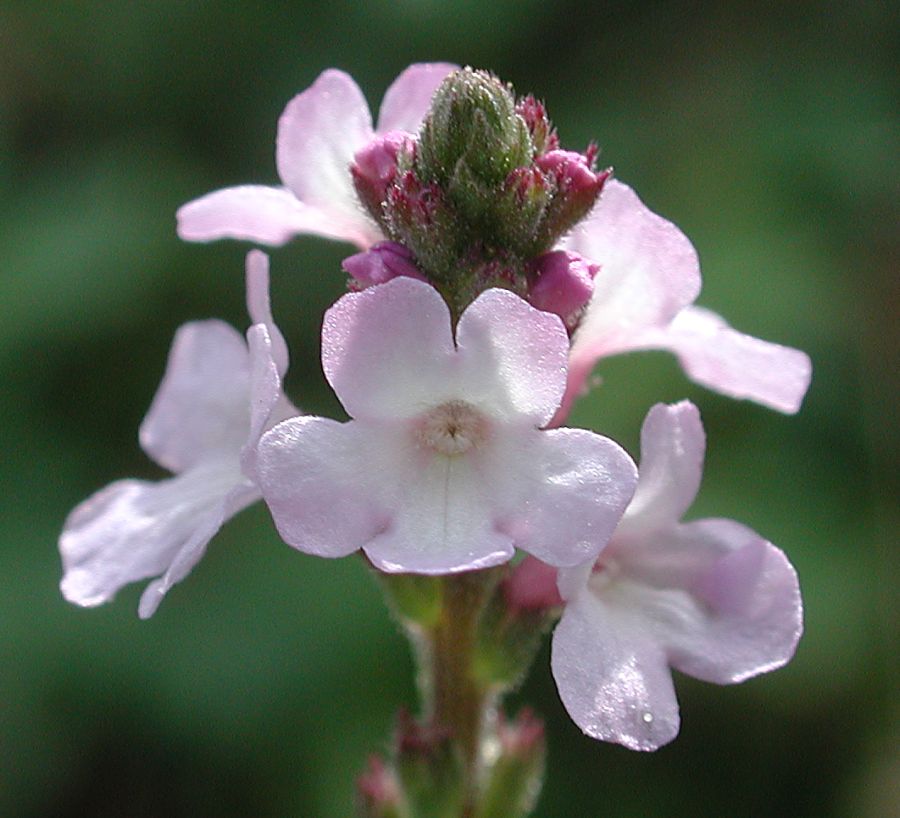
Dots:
(767, 131)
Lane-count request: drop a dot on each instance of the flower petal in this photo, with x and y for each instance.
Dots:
(333, 488)
(268, 215)
(745, 614)
(612, 679)
(408, 99)
(388, 351)
(672, 447)
(649, 269)
(727, 361)
(259, 306)
(441, 521)
(312, 473)
(648, 272)
(134, 529)
(184, 560)
(318, 134)
(201, 408)
(563, 493)
(512, 356)
(268, 404)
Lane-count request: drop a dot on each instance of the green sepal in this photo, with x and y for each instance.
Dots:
(508, 640)
(414, 598)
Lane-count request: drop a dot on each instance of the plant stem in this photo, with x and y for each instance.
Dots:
(458, 702)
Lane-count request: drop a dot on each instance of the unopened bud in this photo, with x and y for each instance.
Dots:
(374, 168)
(430, 768)
(473, 125)
(381, 263)
(516, 776)
(532, 586)
(419, 217)
(520, 208)
(577, 186)
(543, 134)
(378, 791)
(562, 283)
(571, 171)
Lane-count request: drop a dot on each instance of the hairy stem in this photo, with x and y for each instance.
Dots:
(458, 702)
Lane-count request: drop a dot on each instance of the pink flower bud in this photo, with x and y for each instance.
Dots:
(521, 736)
(375, 167)
(378, 789)
(542, 132)
(386, 260)
(572, 172)
(531, 586)
(563, 282)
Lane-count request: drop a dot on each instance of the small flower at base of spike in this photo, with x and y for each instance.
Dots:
(516, 774)
(378, 792)
(430, 768)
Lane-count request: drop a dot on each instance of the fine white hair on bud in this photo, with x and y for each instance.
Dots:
(452, 428)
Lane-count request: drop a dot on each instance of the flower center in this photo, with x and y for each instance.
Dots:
(452, 428)
(604, 573)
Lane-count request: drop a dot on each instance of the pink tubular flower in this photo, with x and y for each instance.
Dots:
(643, 299)
(215, 400)
(444, 466)
(710, 598)
(319, 133)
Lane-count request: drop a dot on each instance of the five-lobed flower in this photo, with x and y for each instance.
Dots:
(216, 398)
(643, 298)
(710, 598)
(319, 134)
(444, 466)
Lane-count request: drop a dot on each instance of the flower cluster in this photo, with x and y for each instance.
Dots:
(493, 270)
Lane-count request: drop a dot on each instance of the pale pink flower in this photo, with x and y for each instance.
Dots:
(710, 598)
(643, 298)
(319, 134)
(444, 466)
(216, 398)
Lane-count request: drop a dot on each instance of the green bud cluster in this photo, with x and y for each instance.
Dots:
(475, 197)
(472, 139)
